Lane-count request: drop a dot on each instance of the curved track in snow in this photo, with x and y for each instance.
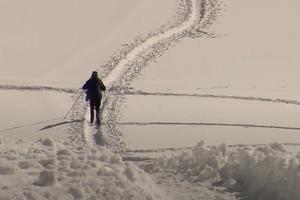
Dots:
(147, 49)
(114, 76)
(151, 47)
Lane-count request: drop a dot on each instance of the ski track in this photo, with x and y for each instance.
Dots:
(37, 88)
(208, 124)
(122, 67)
(30, 124)
(215, 96)
(124, 64)
(145, 93)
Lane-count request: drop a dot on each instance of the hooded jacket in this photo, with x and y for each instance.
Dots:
(94, 86)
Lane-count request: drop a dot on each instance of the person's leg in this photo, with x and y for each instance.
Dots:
(92, 107)
(97, 108)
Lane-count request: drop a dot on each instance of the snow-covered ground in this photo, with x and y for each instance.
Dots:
(233, 79)
(267, 172)
(39, 49)
(46, 169)
(216, 71)
(187, 120)
(25, 113)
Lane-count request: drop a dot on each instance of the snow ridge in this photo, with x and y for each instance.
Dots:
(266, 172)
(48, 170)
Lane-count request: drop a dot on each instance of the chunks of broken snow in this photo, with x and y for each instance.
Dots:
(46, 178)
(48, 169)
(266, 172)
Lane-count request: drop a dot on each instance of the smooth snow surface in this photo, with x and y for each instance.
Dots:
(61, 48)
(24, 113)
(190, 119)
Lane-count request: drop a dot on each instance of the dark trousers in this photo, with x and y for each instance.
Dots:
(95, 104)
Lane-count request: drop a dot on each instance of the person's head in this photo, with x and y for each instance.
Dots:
(94, 74)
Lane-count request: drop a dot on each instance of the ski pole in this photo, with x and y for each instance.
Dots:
(73, 105)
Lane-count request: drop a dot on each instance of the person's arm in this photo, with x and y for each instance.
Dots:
(102, 86)
(85, 86)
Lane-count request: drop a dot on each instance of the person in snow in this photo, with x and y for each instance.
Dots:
(94, 87)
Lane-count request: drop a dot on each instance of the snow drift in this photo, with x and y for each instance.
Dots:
(266, 172)
(48, 169)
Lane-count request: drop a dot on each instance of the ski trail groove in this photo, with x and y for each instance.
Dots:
(124, 64)
(215, 96)
(30, 124)
(134, 57)
(145, 93)
(37, 88)
(209, 124)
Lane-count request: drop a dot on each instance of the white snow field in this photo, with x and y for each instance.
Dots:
(216, 71)
(23, 114)
(39, 49)
(246, 76)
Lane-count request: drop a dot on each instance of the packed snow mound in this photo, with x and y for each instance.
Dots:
(48, 169)
(262, 173)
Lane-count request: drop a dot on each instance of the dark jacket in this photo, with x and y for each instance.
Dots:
(94, 86)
